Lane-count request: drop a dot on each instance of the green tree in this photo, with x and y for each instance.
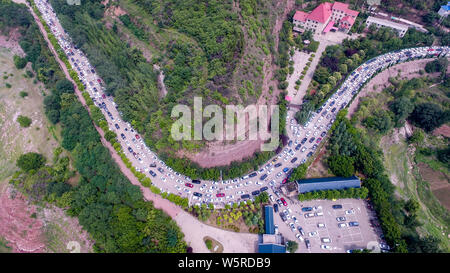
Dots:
(341, 165)
(291, 246)
(24, 121)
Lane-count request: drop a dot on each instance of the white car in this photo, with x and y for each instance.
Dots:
(299, 237)
(312, 234)
(350, 211)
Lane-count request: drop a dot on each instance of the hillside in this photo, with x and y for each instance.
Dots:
(223, 51)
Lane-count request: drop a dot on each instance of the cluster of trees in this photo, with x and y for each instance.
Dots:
(358, 193)
(107, 205)
(397, 227)
(24, 121)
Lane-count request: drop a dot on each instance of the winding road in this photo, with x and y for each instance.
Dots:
(306, 139)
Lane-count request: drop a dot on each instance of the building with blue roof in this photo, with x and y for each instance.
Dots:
(271, 248)
(268, 216)
(327, 183)
(444, 10)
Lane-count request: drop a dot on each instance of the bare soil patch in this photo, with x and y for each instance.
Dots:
(444, 130)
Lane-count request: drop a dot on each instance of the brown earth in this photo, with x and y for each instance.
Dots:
(439, 183)
(444, 130)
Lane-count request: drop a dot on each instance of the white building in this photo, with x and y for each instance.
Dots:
(401, 29)
(444, 11)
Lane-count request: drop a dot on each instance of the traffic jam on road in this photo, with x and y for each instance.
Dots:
(304, 140)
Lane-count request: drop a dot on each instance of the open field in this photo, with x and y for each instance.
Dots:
(42, 229)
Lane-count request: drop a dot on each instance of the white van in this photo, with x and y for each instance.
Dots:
(320, 225)
(319, 213)
(326, 240)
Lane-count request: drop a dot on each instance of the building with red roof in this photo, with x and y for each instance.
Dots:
(318, 19)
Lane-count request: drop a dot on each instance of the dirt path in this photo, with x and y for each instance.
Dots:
(190, 226)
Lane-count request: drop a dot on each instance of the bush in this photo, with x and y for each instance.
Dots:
(24, 121)
(19, 62)
(23, 94)
(208, 244)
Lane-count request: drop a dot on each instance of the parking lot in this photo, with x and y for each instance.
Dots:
(325, 225)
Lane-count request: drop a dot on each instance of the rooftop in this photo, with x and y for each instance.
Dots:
(300, 16)
(321, 13)
(327, 179)
(268, 216)
(271, 248)
(387, 23)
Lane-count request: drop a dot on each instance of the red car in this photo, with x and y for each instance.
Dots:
(430, 49)
(318, 140)
(220, 195)
(103, 96)
(284, 181)
(189, 185)
(99, 81)
(283, 201)
(137, 136)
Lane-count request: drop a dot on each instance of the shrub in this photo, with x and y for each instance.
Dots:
(30, 161)
(24, 121)
(23, 94)
(19, 62)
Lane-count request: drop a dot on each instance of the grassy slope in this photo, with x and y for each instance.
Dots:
(15, 140)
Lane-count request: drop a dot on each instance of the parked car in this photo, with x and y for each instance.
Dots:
(337, 206)
(189, 185)
(353, 224)
(283, 201)
(341, 219)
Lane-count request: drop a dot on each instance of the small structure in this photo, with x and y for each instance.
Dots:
(401, 29)
(289, 189)
(444, 11)
(328, 183)
(271, 244)
(268, 216)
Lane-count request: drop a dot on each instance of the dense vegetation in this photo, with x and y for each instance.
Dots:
(356, 193)
(107, 205)
(201, 66)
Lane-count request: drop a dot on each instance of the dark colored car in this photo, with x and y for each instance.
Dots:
(198, 194)
(160, 170)
(353, 224)
(304, 140)
(275, 207)
(293, 160)
(278, 165)
(337, 206)
(307, 243)
(152, 173)
(252, 175)
(306, 209)
(195, 181)
(323, 134)
(298, 147)
(290, 143)
(283, 217)
(117, 126)
(255, 192)
(319, 140)
(123, 136)
(309, 154)
(285, 169)
(311, 140)
(300, 229)
(245, 196)
(153, 165)
(263, 177)
(264, 189)
(130, 149)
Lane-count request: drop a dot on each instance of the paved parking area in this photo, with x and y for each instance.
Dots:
(342, 238)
